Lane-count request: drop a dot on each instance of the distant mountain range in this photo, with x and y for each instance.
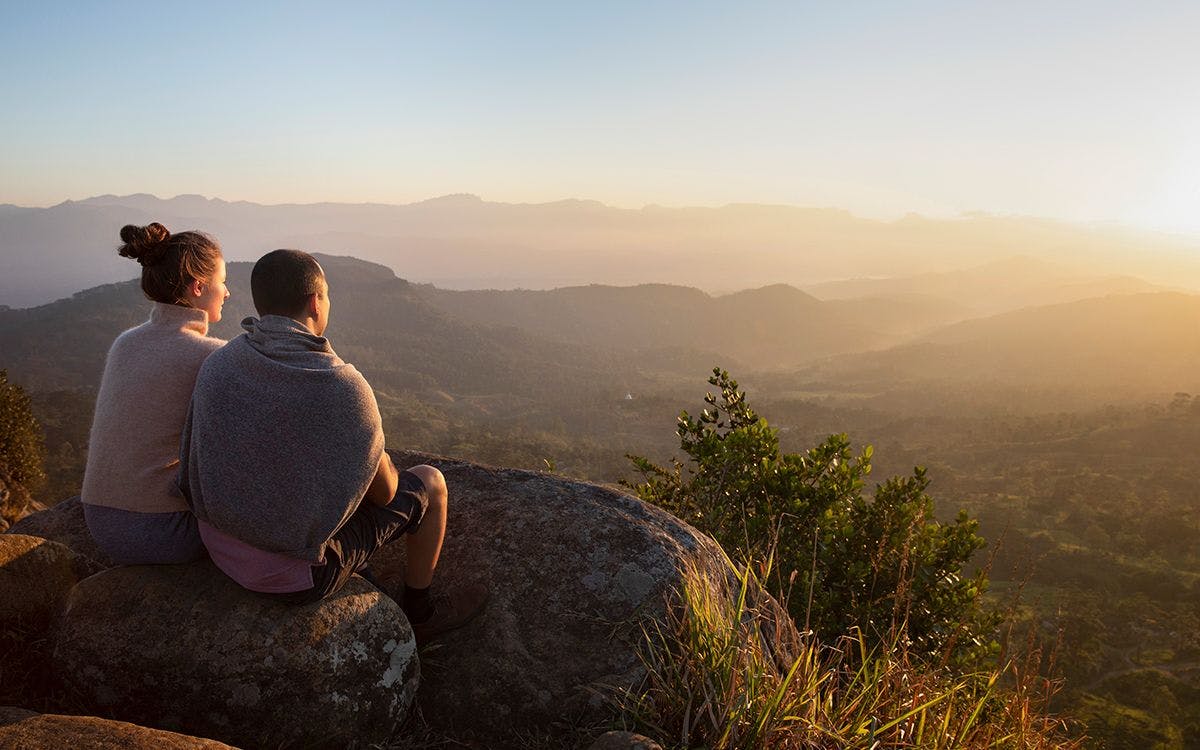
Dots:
(463, 242)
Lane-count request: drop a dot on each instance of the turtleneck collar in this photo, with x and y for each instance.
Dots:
(178, 316)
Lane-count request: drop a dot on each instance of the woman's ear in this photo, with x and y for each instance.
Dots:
(196, 288)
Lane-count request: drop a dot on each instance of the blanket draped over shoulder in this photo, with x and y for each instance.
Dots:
(281, 441)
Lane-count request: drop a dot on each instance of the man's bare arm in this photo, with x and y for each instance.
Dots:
(383, 486)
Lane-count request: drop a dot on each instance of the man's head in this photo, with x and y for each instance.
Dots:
(291, 283)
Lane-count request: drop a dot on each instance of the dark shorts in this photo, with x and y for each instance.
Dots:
(368, 528)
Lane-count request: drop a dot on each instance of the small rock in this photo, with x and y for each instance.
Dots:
(29, 730)
(63, 523)
(624, 741)
(35, 577)
(184, 648)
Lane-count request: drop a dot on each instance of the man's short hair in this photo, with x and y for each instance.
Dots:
(282, 280)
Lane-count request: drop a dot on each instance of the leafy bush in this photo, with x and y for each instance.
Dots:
(883, 565)
(22, 450)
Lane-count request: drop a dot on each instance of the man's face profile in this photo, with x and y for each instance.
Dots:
(322, 319)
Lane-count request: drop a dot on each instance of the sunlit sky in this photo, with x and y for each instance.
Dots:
(1086, 111)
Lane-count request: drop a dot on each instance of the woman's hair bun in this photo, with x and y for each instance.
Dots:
(146, 245)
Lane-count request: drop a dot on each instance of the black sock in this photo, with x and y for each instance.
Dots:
(418, 604)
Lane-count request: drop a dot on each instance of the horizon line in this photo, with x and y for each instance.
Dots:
(973, 214)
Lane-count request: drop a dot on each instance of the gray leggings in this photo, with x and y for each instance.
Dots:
(132, 538)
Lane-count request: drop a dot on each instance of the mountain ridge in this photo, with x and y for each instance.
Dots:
(467, 242)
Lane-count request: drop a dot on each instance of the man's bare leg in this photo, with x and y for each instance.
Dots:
(432, 616)
(424, 547)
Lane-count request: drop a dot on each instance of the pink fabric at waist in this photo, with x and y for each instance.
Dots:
(253, 568)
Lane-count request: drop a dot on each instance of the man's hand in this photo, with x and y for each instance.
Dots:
(383, 486)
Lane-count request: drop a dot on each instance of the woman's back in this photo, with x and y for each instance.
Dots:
(131, 502)
(144, 394)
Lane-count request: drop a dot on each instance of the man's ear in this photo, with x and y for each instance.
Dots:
(313, 306)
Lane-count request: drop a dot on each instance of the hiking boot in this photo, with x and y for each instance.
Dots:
(451, 610)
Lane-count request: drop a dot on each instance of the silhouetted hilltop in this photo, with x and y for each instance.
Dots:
(771, 327)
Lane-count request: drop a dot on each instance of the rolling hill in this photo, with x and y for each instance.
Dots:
(771, 327)
(1105, 349)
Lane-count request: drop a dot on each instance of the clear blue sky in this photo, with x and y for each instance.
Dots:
(1080, 110)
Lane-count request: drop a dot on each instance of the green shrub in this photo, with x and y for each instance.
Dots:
(881, 564)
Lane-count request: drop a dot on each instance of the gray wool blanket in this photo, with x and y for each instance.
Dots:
(282, 439)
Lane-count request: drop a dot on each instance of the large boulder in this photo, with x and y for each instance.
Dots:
(63, 523)
(572, 568)
(184, 648)
(25, 729)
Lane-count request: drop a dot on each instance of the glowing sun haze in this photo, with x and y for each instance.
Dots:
(1085, 111)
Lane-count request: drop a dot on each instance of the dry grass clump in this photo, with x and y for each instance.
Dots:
(717, 678)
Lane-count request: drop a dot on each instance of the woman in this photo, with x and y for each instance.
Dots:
(132, 505)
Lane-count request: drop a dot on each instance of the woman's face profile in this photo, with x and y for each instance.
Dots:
(212, 293)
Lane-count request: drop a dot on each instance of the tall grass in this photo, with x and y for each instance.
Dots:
(729, 670)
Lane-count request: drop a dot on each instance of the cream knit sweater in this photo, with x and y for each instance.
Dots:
(133, 453)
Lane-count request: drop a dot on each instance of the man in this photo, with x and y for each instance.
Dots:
(283, 462)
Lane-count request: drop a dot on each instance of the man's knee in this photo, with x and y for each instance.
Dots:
(434, 481)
